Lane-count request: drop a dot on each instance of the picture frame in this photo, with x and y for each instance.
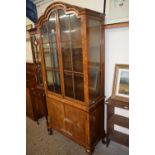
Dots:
(28, 27)
(117, 11)
(121, 83)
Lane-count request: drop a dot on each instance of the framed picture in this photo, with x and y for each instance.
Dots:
(117, 11)
(121, 83)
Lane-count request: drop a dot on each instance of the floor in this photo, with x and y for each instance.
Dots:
(38, 142)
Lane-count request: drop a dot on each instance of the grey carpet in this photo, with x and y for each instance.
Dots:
(38, 142)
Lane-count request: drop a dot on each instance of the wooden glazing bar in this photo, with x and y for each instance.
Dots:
(71, 50)
(85, 56)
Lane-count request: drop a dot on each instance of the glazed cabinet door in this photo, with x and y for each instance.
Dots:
(63, 55)
(76, 124)
(72, 59)
(50, 52)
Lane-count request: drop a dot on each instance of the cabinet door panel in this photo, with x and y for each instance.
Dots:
(75, 122)
(50, 51)
(72, 58)
(55, 114)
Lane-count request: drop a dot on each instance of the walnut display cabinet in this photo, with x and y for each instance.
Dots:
(35, 95)
(72, 57)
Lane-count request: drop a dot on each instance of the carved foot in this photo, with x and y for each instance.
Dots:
(104, 141)
(107, 142)
(50, 132)
(89, 151)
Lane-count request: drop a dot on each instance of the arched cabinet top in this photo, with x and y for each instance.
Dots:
(68, 8)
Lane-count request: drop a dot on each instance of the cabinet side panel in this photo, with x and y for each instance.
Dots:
(29, 110)
(97, 123)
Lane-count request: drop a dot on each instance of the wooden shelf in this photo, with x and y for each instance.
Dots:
(120, 120)
(118, 103)
(120, 138)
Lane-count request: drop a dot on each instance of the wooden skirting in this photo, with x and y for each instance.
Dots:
(116, 25)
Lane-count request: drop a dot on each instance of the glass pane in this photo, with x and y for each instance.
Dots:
(66, 56)
(50, 80)
(53, 81)
(77, 60)
(55, 57)
(68, 81)
(65, 40)
(44, 33)
(48, 60)
(79, 90)
(94, 37)
(52, 27)
(64, 26)
(46, 46)
(57, 86)
(75, 27)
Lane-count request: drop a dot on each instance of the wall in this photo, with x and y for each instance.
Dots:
(96, 5)
(41, 6)
(116, 52)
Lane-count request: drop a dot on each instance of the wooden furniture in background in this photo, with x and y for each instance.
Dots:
(35, 95)
(113, 118)
(72, 57)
